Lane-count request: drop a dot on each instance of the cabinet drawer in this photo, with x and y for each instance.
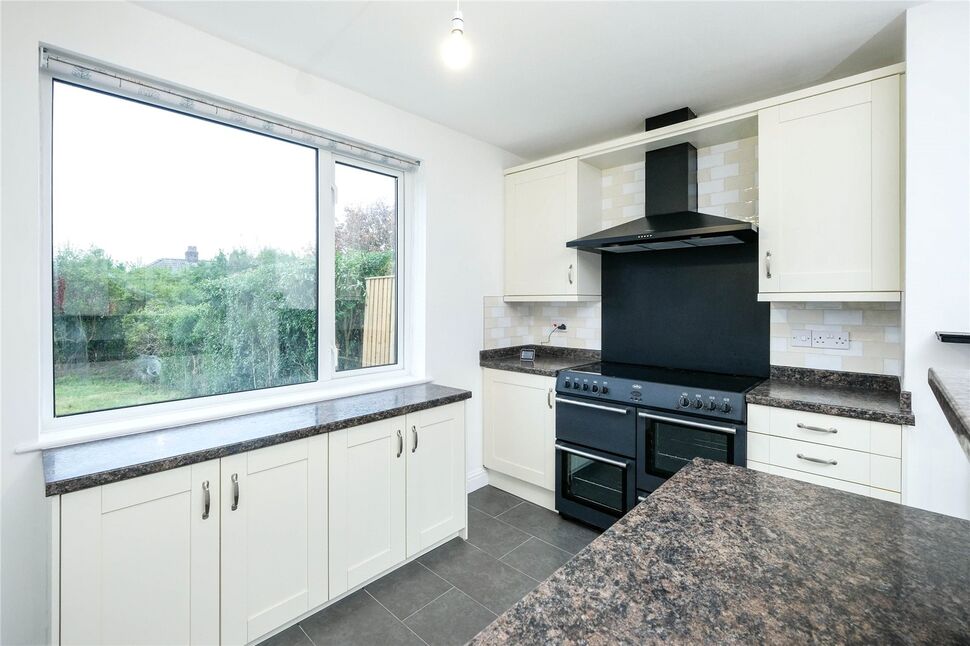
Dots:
(838, 463)
(885, 472)
(842, 432)
(812, 478)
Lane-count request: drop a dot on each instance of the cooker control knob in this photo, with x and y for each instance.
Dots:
(725, 407)
(684, 401)
(585, 386)
(712, 405)
(604, 390)
(576, 385)
(698, 403)
(595, 388)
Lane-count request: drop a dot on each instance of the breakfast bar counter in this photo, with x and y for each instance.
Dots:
(722, 554)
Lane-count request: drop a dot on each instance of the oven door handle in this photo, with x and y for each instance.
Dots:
(609, 409)
(584, 454)
(682, 422)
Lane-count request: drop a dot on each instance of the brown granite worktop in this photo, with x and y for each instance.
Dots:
(877, 398)
(951, 387)
(90, 464)
(725, 555)
(549, 359)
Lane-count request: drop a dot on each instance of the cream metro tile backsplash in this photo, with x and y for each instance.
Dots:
(727, 184)
(875, 336)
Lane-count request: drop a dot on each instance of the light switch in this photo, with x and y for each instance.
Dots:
(801, 339)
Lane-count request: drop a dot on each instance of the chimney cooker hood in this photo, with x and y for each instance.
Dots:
(672, 220)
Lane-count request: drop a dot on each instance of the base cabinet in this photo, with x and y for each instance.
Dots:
(226, 551)
(396, 487)
(274, 537)
(367, 502)
(140, 560)
(848, 454)
(520, 426)
(435, 476)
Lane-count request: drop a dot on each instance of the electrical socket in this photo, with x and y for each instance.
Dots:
(801, 339)
(831, 340)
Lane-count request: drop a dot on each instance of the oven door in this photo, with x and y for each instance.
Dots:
(593, 486)
(666, 442)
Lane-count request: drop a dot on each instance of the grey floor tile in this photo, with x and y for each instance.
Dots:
(292, 636)
(550, 527)
(357, 620)
(492, 501)
(407, 589)
(537, 558)
(493, 536)
(482, 577)
(451, 620)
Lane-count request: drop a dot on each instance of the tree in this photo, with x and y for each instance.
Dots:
(371, 227)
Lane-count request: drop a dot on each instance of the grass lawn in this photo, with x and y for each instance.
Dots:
(105, 386)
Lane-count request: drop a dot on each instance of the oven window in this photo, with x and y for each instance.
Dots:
(669, 447)
(593, 483)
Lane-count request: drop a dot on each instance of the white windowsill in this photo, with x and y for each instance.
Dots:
(206, 413)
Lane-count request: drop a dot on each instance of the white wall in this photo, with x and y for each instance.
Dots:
(937, 244)
(462, 178)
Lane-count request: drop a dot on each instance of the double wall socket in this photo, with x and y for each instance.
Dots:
(820, 339)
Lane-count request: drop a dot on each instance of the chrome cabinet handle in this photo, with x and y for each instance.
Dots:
(400, 443)
(570, 274)
(817, 429)
(549, 398)
(235, 491)
(808, 458)
(609, 409)
(767, 264)
(414, 432)
(206, 500)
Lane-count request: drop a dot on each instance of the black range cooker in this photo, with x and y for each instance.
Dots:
(622, 430)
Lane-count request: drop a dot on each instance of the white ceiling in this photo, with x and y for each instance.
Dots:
(550, 76)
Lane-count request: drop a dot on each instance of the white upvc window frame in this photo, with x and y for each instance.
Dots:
(330, 384)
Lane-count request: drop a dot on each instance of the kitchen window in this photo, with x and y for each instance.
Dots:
(196, 257)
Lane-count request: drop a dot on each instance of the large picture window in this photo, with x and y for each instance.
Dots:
(187, 257)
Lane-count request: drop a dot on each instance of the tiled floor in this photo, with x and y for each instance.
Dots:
(448, 595)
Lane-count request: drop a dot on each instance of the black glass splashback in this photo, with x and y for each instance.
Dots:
(688, 310)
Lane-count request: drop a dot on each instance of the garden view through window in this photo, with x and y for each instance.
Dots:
(184, 255)
(365, 269)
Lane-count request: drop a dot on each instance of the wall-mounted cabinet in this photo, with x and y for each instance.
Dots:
(829, 181)
(546, 207)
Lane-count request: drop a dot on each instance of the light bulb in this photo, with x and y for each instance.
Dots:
(456, 51)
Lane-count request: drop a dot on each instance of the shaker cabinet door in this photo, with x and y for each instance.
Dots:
(140, 560)
(435, 475)
(829, 189)
(274, 537)
(367, 502)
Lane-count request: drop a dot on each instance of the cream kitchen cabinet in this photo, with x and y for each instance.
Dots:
(274, 537)
(397, 487)
(520, 429)
(436, 506)
(829, 184)
(849, 454)
(545, 207)
(367, 502)
(139, 560)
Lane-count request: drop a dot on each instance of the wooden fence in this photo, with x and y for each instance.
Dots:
(380, 313)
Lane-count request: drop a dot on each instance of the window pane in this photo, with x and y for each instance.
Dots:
(185, 256)
(366, 268)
